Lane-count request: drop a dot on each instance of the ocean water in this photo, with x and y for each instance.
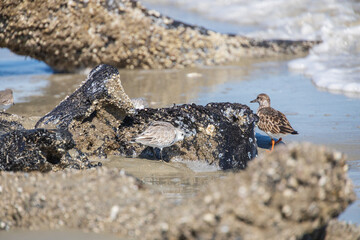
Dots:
(24, 75)
(333, 65)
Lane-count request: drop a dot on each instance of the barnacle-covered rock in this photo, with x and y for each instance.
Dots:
(23, 148)
(218, 133)
(9, 122)
(292, 193)
(93, 112)
(101, 94)
(73, 35)
(338, 230)
(103, 120)
(36, 149)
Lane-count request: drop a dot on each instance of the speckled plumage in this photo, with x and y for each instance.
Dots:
(160, 134)
(6, 98)
(271, 121)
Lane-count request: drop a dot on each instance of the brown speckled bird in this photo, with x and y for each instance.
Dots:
(271, 121)
(6, 99)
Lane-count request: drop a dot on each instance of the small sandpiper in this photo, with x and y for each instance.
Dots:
(160, 134)
(6, 99)
(139, 103)
(271, 121)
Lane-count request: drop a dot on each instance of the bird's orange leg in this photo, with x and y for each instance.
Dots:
(272, 145)
(278, 141)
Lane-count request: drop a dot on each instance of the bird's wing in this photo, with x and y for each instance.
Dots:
(274, 122)
(156, 134)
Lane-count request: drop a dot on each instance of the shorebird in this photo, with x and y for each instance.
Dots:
(160, 135)
(6, 99)
(139, 103)
(271, 121)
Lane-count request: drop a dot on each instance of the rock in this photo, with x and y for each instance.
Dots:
(103, 120)
(37, 149)
(101, 95)
(93, 112)
(342, 231)
(7, 123)
(218, 133)
(289, 194)
(73, 35)
(77, 199)
(10, 122)
(99, 119)
(23, 148)
(292, 193)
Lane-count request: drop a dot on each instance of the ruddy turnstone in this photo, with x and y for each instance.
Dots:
(160, 134)
(6, 99)
(271, 121)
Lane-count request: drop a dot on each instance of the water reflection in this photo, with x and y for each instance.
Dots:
(175, 180)
(353, 212)
(37, 102)
(160, 88)
(166, 87)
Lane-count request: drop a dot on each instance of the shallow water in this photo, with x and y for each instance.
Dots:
(333, 65)
(178, 180)
(352, 213)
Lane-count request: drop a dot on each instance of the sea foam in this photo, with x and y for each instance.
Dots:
(333, 65)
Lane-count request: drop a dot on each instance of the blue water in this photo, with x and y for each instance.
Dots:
(24, 75)
(333, 65)
(28, 67)
(11, 64)
(352, 213)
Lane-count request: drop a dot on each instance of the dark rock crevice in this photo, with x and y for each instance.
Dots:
(34, 150)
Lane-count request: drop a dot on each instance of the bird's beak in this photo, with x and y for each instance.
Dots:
(253, 101)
